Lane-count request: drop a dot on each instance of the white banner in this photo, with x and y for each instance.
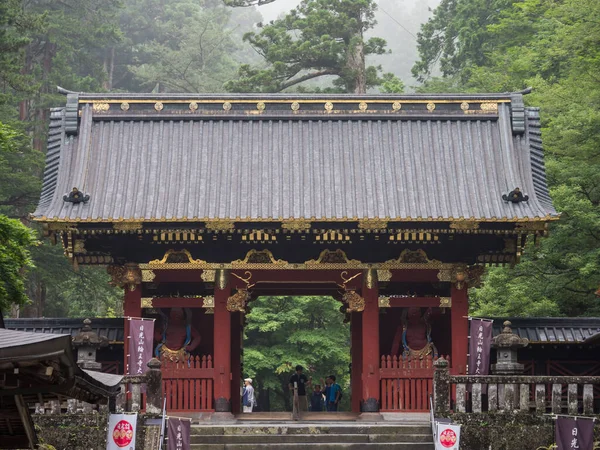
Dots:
(121, 432)
(447, 437)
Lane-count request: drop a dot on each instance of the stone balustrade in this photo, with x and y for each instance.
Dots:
(571, 395)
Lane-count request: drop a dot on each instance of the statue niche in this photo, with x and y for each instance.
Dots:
(176, 336)
(415, 334)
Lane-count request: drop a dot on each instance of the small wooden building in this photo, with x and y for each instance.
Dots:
(200, 203)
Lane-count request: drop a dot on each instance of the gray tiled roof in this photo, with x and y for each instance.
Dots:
(437, 167)
(551, 330)
(111, 328)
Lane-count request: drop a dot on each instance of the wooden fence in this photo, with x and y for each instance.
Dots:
(188, 386)
(406, 384)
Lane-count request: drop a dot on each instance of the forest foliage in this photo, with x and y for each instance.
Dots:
(554, 47)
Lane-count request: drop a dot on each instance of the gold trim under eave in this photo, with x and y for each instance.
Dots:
(218, 222)
(291, 100)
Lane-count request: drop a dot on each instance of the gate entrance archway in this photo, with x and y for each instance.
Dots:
(396, 202)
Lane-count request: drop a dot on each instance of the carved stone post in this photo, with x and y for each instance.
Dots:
(154, 392)
(507, 344)
(441, 388)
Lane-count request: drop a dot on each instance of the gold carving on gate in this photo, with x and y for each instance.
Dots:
(464, 225)
(384, 275)
(372, 224)
(363, 106)
(227, 106)
(370, 278)
(159, 106)
(125, 106)
(208, 301)
(489, 106)
(127, 276)
(261, 106)
(259, 257)
(531, 226)
(177, 257)
(208, 275)
(193, 106)
(296, 224)
(220, 225)
(445, 302)
(127, 226)
(337, 256)
(222, 277)
(328, 106)
(146, 302)
(354, 301)
(100, 107)
(238, 301)
(430, 106)
(79, 247)
(148, 275)
(384, 301)
(396, 106)
(464, 106)
(295, 106)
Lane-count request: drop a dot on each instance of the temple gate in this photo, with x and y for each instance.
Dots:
(391, 204)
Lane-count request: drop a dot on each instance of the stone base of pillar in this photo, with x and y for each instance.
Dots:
(222, 417)
(370, 417)
(222, 405)
(369, 405)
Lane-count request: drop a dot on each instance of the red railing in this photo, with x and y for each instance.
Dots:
(188, 386)
(406, 384)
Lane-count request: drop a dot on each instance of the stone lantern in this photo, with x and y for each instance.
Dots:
(507, 344)
(86, 343)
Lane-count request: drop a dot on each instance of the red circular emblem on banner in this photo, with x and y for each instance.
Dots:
(448, 438)
(123, 433)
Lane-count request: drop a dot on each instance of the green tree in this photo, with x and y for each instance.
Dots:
(282, 332)
(554, 47)
(320, 38)
(15, 259)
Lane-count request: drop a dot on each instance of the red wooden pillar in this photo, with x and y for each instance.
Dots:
(222, 344)
(459, 326)
(355, 376)
(132, 307)
(236, 361)
(370, 343)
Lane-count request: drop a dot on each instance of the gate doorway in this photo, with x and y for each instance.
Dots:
(280, 332)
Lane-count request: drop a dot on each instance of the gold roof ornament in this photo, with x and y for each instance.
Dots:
(296, 224)
(396, 106)
(295, 106)
(430, 106)
(193, 106)
(125, 106)
(363, 106)
(159, 106)
(176, 257)
(328, 106)
(227, 106)
(100, 107)
(337, 256)
(220, 225)
(372, 224)
(259, 257)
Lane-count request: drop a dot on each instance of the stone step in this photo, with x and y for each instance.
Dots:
(311, 439)
(325, 446)
(309, 429)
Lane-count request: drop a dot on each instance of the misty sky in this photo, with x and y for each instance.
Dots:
(398, 21)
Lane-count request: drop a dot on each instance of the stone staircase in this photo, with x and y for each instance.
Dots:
(296, 436)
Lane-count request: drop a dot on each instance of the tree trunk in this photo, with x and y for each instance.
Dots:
(356, 65)
(109, 68)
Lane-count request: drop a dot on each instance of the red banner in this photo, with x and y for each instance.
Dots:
(574, 433)
(141, 335)
(178, 434)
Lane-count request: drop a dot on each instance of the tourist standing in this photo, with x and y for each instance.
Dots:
(316, 399)
(333, 394)
(302, 381)
(248, 400)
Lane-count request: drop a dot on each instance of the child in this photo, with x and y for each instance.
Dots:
(316, 399)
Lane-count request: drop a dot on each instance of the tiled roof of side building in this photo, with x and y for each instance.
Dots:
(111, 328)
(551, 330)
(185, 158)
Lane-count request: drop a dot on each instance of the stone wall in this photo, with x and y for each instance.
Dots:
(507, 431)
(78, 431)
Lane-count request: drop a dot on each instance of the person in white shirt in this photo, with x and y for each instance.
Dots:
(248, 400)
